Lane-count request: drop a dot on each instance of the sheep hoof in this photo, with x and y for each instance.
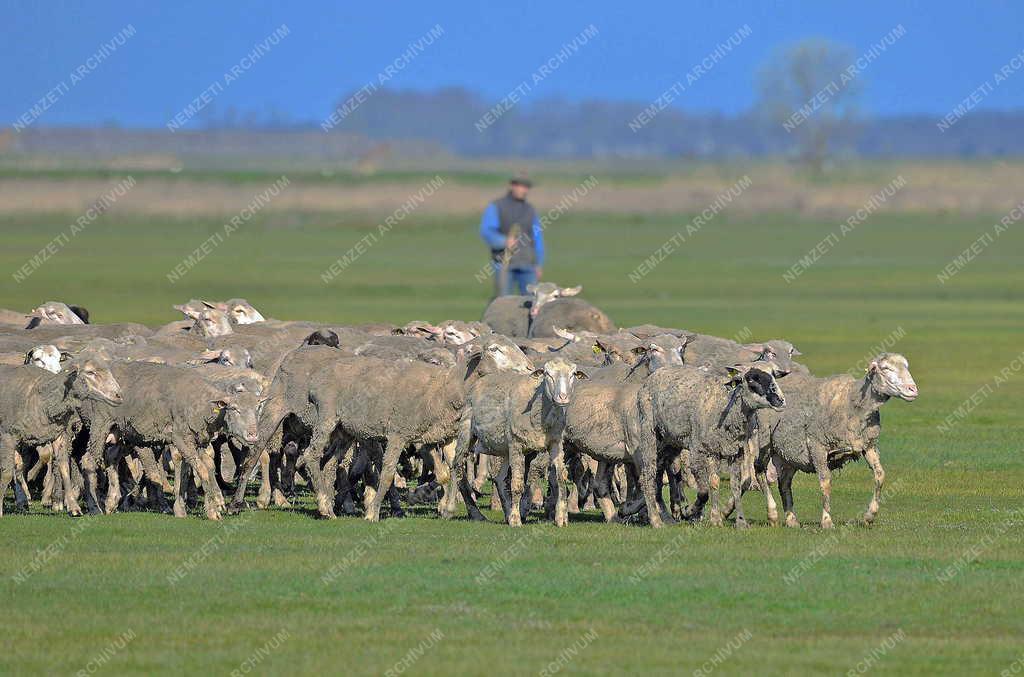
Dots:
(179, 509)
(869, 518)
(773, 519)
(792, 522)
(716, 519)
(279, 499)
(826, 522)
(213, 515)
(371, 517)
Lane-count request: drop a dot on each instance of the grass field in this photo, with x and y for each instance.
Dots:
(936, 586)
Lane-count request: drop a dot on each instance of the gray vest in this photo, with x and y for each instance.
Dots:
(512, 212)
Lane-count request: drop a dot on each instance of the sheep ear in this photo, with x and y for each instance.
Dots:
(570, 291)
(641, 350)
(398, 331)
(794, 352)
(187, 312)
(537, 373)
(735, 373)
(873, 367)
(600, 347)
(581, 375)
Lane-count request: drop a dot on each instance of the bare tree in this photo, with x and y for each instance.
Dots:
(812, 89)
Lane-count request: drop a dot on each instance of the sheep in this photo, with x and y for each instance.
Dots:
(38, 407)
(46, 357)
(239, 311)
(55, 312)
(511, 415)
(167, 405)
(714, 418)
(827, 423)
(13, 318)
(561, 311)
(611, 423)
(456, 332)
(718, 353)
(509, 315)
(360, 399)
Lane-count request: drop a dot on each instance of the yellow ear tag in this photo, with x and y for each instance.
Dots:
(216, 410)
(597, 349)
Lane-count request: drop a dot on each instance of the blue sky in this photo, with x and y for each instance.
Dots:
(180, 47)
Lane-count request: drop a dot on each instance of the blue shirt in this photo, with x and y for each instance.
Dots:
(490, 231)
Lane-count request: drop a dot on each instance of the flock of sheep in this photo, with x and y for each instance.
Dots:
(544, 393)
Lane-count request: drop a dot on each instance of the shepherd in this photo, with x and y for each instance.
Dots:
(512, 230)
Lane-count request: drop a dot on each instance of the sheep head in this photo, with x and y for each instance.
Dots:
(46, 357)
(92, 379)
(55, 312)
(559, 379)
(239, 411)
(509, 358)
(757, 385)
(546, 292)
(889, 374)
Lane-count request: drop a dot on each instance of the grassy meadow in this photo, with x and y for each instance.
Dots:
(936, 586)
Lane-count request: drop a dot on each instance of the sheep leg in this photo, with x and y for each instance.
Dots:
(557, 486)
(602, 490)
(459, 480)
(517, 468)
(46, 500)
(315, 454)
(696, 466)
(264, 495)
(190, 454)
(388, 467)
(871, 456)
(343, 490)
(207, 456)
(786, 473)
(574, 491)
(21, 493)
(41, 462)
(645, 463)
(501, 489)
(249, 462)
(677, 498)
(289, 458)
(8, 447)
(277, 496)
(482, 471)
(714, 481)
(152, 471)
(180, 480)
(89, 469)
(819, 457)
(442, 472)
(737, 485)
(761, 475)
(63, 458)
